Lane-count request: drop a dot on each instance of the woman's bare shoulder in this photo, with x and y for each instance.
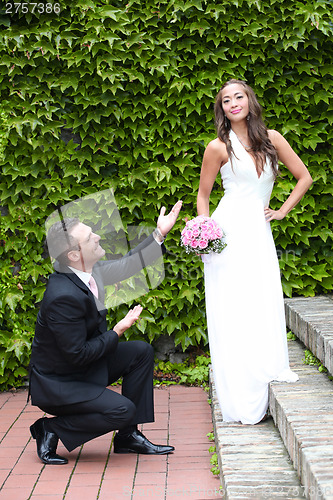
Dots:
(274, 136)
(217, 148)
(216, 145)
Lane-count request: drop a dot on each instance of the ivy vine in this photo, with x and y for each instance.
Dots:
(121, 94)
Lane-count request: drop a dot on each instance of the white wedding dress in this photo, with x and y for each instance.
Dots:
(244, 300)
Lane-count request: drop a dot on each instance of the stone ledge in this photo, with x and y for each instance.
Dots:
(311, 320)
(253, 460)
(303, 413)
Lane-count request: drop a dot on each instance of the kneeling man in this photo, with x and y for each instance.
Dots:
(75, 356)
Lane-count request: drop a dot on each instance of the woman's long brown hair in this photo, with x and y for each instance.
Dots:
(261, 146)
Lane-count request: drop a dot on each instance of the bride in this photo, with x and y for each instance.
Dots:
(244, 299)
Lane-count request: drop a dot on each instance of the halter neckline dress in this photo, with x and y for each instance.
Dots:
(244, 299)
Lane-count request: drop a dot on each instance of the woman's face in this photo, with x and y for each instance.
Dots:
(235, 102)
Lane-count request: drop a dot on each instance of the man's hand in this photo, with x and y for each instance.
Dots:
(166, 222)
(130, 318)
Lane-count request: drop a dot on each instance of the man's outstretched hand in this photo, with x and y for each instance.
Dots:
(130, 318)
(166, 222)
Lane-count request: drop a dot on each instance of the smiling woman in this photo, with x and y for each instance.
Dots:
(244, 300)
(235, 103)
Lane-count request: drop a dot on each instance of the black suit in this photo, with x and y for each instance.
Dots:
(75, 357)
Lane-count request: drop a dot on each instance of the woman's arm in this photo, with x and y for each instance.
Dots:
(214, 157)
(295, 165)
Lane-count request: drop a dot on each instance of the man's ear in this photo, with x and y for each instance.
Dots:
(73, 256)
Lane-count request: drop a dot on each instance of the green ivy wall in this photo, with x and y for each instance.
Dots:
(109, 93)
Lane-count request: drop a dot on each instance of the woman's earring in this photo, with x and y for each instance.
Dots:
(248, 117)
(225, 121)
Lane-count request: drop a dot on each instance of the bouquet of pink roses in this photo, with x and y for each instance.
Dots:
(202, 235)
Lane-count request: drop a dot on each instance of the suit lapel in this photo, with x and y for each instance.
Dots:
(79, 283)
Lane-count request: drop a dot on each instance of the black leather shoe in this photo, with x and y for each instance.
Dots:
(136, 442)
(47, 443)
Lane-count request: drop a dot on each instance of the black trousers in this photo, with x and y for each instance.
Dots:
(80, 422)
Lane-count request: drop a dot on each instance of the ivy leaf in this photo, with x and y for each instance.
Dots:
(12, 299)
(110, 12)
(322, 96)
(69, 81)
(319, 272)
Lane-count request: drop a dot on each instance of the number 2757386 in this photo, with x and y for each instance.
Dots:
(33, 8)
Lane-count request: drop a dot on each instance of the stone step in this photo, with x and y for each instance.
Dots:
(303, 414)
(290, 456)
(253, 460)
(311, 320)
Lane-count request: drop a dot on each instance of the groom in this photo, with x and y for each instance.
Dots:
(75, 356)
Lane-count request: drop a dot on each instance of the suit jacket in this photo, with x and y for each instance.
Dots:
(72, 343)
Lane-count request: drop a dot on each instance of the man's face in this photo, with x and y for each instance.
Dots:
(91, 251)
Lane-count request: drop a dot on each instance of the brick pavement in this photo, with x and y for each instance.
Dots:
(183, 418)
